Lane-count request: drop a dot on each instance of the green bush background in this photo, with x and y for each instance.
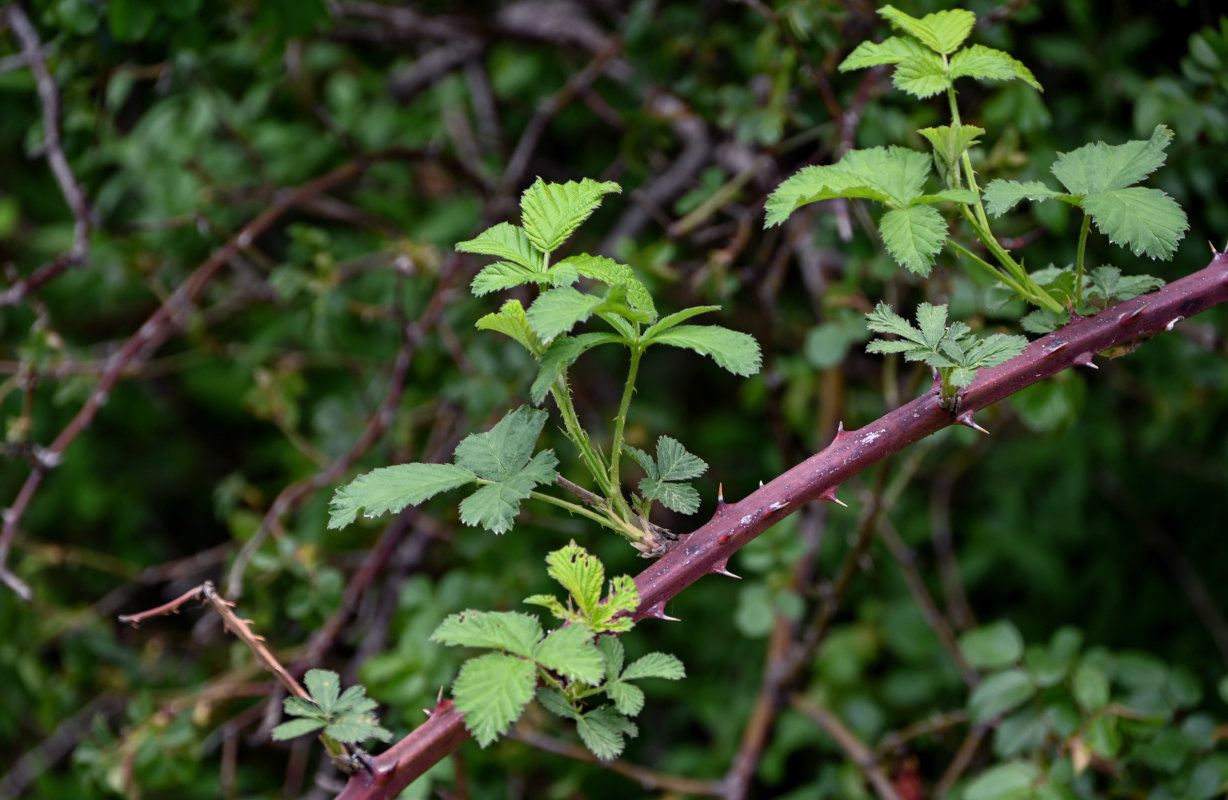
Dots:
(1098, 502)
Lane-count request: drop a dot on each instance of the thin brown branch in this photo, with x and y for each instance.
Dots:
(707, 550)
(48, 96)
(862, 757)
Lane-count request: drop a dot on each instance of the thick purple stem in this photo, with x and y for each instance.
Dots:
(708, 549)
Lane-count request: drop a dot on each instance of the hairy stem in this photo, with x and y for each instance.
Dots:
(620, 422)
(1087, 224)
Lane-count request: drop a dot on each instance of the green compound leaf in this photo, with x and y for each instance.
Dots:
(324, 686)
(1109, 283)
(570, 652)
(602, 731)
(495, 506)
(492, 692)
(914, 236)
(890, 175)
(560, 355)
(985, 63)
(675, 463)
(505, 275)
(392, 489)
(943, 32)
(505, 241)
(933, 323)
(999, 693)
(612, 273)
(680, 497)
(1100, 167)
(502, 451)
(512, 322)
(735, 351)
(654, 665)
(559, 310)
(956, 350)
(995, 349)
(1145, 220)
(354, 727)
(296, 706)
(296, 727)
(580, 573)
(502, 630)
(1001, 196)
(884, 320)
(551, 212)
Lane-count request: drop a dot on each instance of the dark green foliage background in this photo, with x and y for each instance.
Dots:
(184, 120)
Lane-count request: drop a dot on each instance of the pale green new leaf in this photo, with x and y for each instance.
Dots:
(675, 463)
(552, 604)
(1147, 221)
(560, 355)
(950, 142)
(392, 489)
(512, 322)
(623, 598)
(602, 731)
(551, 212)
(1100, 167)
(559, 310)
(505, 275)
(680, 497)
(677, 318)
(492, 691)
(891, 50)
(612, 273)
(570, 652)
(933, 323)
(502, 451)
(324, 686)
(923, 76)
(505, 241)
(501, 630)
(580, 573)
(495, 506)
(986, 63)
(296, 727)
(733, 350)
(1001, 196)
(914, 236)
(654, 665)
(942, 32)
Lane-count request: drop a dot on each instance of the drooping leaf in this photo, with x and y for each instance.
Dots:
(392, 489)
(505, 241)
(492, 692)
(733, 350)
(495, 506)
(512, 322)
(1145, 220)
(1001, 196)
(986, 63)
(654, 665)
(502, 630)
(551, 212)
(914, 236)
(580, 573)
(602, 731)
(612, 273)
(570, 652)
(560, 355)
(502, 451)
(943, 31)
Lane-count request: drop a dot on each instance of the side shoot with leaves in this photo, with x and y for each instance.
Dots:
(928, 56)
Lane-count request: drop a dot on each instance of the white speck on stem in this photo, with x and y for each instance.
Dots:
(748, 519)
(870, 437)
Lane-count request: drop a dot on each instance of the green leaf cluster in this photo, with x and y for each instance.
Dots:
(1100, 179)
(346, 717)
(570, 664)
(668, 474)
(500, 461)
(954, 350)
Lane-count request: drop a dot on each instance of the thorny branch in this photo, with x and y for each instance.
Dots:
(708, 549)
